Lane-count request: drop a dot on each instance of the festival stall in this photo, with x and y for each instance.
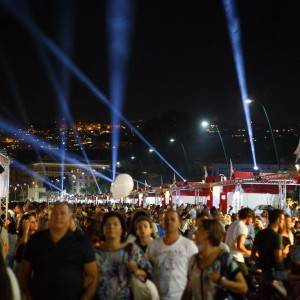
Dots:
(245, 189)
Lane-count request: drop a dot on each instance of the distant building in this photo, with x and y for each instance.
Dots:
(76, 175)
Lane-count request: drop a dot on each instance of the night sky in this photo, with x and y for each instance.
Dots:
(181, 60)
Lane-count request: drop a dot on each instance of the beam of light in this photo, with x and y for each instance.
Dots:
(37, 34)
(62, 90)
(233, 25)
(64, 111)
(63, 152)
(13, 88)
(35, 175)
(66, 40)
(47, 148)
(16, 95)
(8, 114)
(119, 28)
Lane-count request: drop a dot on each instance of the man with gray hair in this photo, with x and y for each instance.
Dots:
(59, 263)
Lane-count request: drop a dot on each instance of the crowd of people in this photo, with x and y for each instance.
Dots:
(118, 252)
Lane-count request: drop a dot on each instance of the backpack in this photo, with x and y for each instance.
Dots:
(226, 259)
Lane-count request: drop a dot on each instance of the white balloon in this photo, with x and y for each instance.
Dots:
(122, 186)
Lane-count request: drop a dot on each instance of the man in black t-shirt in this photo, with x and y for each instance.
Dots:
(59, 263)
(268, 245)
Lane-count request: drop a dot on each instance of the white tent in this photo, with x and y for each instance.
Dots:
(4, 183)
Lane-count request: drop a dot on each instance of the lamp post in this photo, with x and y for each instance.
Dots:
(22, 192)
(206, 124)
(172, 141)
(249, 101)
(15, 189)
(27, 185)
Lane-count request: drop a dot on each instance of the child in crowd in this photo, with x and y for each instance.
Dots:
(144, 232)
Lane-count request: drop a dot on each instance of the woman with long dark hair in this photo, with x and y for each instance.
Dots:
(28, 226)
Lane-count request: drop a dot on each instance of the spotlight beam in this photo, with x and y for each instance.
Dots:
(15, 92)
(66, 37)
(35, 175)
(236, 45)
(35, 141)
(64, 108)
(8, 114)
(13, 88)
(119, 26)
(80, 76)
(63, 150)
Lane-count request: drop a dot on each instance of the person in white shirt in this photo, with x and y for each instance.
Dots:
(170, 257)
(236, 236)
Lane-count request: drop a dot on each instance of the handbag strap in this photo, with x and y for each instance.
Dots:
(223, 257)
(127, 249)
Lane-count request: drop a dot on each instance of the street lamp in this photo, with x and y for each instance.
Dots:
(206, 124)
(172, 140)
(150, 150)
(27, 185)
(132, 157)
(249, 101)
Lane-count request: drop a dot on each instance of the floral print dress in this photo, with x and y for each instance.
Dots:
(114, 275)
